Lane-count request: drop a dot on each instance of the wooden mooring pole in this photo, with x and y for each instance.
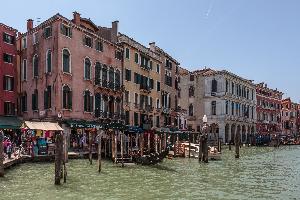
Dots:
(90, 148)
(122, 148)
(200, 148)
(58, 157)
(237, 145)
(189, 145)
(99, 151)
(1, 155)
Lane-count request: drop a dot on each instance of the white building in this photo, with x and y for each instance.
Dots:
(228, 101)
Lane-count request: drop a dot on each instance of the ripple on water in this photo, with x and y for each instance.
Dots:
(260, 173)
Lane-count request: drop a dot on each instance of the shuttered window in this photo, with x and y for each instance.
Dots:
(88, 101)
(66, 61)
(47, 98)
(35, 100)
(67, 97)
(35, 66)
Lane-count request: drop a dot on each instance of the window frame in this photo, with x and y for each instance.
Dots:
(84, 69)
(70, 61)
(46, 60)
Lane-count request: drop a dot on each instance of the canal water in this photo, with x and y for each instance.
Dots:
(260, 173)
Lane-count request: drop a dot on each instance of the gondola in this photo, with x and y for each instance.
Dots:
(151, 159)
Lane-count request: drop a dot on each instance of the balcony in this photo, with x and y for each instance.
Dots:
(166, 110)
(107, 84)
(145, 88)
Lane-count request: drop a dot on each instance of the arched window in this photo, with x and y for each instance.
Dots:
(111, 78)
(35, 67)
(88, 101)
(191, 91)
(67, 97)
(213, 107)
(98, 105)
(191, 110)
(35, 100)
(97, 73)
(117, 80)
(87, 69)
(214, 85)
(104, 76)
(66, 57)
(49, 61)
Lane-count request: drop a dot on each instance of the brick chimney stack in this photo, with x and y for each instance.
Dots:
(29, 24)
(76, 18)
(114, 31)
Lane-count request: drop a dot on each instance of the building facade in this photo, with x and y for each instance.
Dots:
(268, 110)
(169, 71)
(8, 71)
(70, 70)
(289, 113)
(142, 83)
(228, 101)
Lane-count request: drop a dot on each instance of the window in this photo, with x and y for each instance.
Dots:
(127, 54)
(192, 77)
(158, 86)
(35, 38)
(191, 110)
(136, 119)
(127, 74)
(24, 43)
(168, 64)
(66, 57)
(227, 85)
(126, 96)
(151, 64)
(104, 76)
(47, 32)
(7, 58)
(35, 66)
(8, 83)
(24, 70)
(214, 86)
(88, 101)
(213, 108)
(8, 38)
(157, 121)
(49, 61)
(67, 97)
(137, 78)
(136, 58)
(226, 107)
(157, 103)
(24, 102)
(117, 80)
(35, 100)
(47, 98)
(87, 69)
(9, 108)
(87, 41)
(232, 108)
(191, 91)
(111, 78)
(97, 73)
(118, 55)
(66, 30)
(127, 118)
(99, 46)
(157, 68)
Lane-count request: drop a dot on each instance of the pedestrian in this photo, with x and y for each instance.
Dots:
(9, 150)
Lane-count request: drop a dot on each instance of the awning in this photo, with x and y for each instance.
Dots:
(45, 126)
(9, 122)
(84, 124)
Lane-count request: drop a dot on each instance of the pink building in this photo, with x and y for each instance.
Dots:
(70, 70)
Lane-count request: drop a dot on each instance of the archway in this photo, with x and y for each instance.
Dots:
(243, 134)
(232, 133)
(227, 133)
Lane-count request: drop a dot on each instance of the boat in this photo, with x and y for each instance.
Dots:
(151, 159)
(213, 153)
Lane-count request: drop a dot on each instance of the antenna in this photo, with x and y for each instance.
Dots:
(38, 20)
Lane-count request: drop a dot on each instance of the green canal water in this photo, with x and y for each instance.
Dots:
(260, 173)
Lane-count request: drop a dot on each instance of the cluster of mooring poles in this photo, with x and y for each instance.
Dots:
(61, 157)
(1, 155)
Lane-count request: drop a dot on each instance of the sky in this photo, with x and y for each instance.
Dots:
(255, 39)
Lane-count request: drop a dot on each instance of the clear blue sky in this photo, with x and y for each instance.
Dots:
(256, 39)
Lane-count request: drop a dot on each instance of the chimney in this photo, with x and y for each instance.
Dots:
(76, 18)
(152, 46)
(114, 31)
(29, 24)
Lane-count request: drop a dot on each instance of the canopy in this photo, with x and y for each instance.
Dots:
(9, 122)
(45, 126)
(84, 124)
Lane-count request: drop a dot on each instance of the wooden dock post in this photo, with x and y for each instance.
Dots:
(122, 149)
(189, 145)
(237, 145)
(90, 148)
(200, 148)
(58, 157)
(205, 149)
(99, 150)
(113, 146)
(1, 155)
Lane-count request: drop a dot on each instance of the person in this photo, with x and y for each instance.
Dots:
(9, 150)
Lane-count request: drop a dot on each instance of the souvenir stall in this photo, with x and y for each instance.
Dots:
(39, 137)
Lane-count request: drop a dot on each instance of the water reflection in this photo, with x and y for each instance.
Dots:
(264, 173)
